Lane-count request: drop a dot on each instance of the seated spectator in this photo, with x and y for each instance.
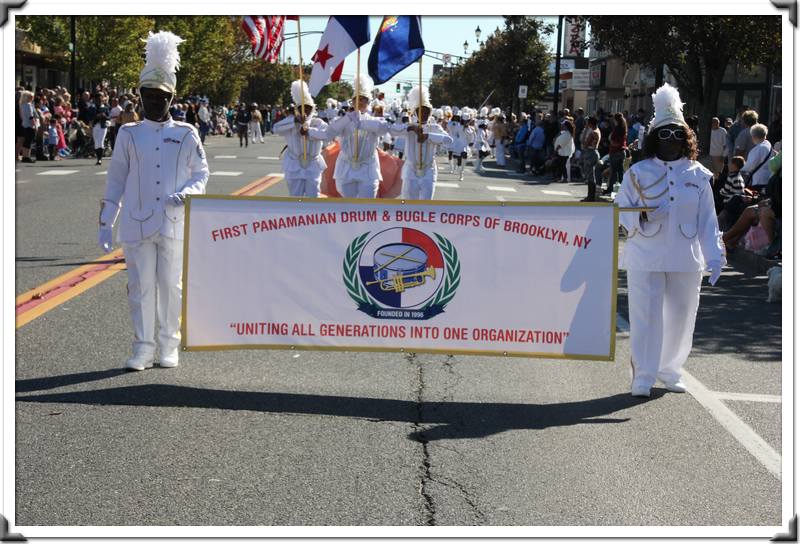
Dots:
(734, 186)
(766, 216)
(755, 170)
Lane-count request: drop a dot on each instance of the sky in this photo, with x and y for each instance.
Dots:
(439, 33)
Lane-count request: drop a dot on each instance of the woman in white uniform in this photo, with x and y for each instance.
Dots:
(357, 171)
(668, 248)
(302, 160)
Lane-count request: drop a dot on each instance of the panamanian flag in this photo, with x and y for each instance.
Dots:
(401, 267)
(343, 35)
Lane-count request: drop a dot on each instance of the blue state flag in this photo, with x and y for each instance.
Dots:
(397, 44)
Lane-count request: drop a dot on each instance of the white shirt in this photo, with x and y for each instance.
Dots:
(152, 160)
(113, 115)
(412, 166)
(719, 143)
(363, 165)
(688, 237)
(755, 158)
(565, 143)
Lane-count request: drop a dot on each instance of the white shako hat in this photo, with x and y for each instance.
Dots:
(161, 61)
(363, 85)
(495, 111)
(330, 102)
(300, 94)
(484, 112)
(466, 113)
(414, 101)
(667, 106)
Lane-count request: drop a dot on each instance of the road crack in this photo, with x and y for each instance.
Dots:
(425, 477)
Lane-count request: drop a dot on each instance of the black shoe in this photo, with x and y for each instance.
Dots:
(28, 160)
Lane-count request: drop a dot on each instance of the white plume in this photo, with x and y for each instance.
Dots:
(414, 101)
(484, 111)
(300, 93)
(667, 106)
(161, 51)
(364, 84)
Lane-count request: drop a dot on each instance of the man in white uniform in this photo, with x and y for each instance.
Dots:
(156, 163)
(302, 161)
(668, 248)
(357, 172)
(419, 169)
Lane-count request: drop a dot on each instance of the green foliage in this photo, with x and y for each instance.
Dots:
(696, 49)
(516, 55)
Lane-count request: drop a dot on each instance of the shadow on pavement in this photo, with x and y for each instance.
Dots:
(52, 382)
(451, 419)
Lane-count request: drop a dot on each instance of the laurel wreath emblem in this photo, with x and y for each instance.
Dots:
(366, 303)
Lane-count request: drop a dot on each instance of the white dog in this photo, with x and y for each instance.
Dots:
(774, 283)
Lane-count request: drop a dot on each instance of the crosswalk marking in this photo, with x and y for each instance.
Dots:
(21, 181)
(557, 193)
(748, 397)
(269, 158)
(221, 173)
(103, 173)
(224, 156)
(496, 188)
(58, 172)
(447, 184)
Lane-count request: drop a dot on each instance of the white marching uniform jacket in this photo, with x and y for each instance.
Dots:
(366, 167)
(152, 160)
(411, 156)
(688, 237)
(458, 133)
(294, 167)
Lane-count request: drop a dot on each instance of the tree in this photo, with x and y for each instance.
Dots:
(108, 47)
(516, 55)
(696, 49)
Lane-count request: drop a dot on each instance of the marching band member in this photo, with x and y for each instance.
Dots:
(668, 248)
(303, 175)
(399, 133)
(420, 170)
(357, 172)
(156, 163)
(481, 145)
(459, 147)
(330, 111)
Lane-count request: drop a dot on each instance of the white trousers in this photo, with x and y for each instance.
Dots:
(358, 189)
(154, 288)
(662, 307)
(255, 131)
(415, 188)
(308, 187)
(501, 154)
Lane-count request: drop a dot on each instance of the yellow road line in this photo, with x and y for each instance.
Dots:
(45, 297)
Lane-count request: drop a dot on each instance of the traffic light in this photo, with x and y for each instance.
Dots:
(398, 87)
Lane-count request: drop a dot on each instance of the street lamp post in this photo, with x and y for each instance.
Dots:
(558, 63)
(478, 34)
(466, 46)
(72, 44)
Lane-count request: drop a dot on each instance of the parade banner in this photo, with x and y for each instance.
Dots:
(493, 278)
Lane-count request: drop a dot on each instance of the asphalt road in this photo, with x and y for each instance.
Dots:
(324, 438)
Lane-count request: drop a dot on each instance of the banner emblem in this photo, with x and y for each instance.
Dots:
(401, 273)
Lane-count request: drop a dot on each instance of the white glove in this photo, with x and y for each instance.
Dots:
(659, 213)
(354, 116)
(176, 199)
(105, 238)
(715, 267)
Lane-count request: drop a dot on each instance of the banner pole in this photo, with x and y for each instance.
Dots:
(358, 97)
(302, 93)
(419, 118)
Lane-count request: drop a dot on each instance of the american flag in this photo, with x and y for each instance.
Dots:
(266, 34)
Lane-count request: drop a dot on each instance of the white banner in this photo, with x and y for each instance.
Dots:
(525, 279)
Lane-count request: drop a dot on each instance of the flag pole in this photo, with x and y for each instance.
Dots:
(358, 97)
(302, 93)
(419, 117)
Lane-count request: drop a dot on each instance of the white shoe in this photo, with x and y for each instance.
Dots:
(140, 361)
(461, 174)
(638, 390)
(168, 359)
(676, 386)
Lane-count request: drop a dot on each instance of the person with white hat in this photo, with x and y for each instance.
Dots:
(156, 164)
(422, 138)
(357, 172)
(458, 148)
(399, 133)
(668, 247)
(304, 132)
(481, 144)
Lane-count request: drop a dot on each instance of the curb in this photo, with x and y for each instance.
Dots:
(750, 263)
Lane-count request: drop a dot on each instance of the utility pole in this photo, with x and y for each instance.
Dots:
(73, 42)
(558, 63)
